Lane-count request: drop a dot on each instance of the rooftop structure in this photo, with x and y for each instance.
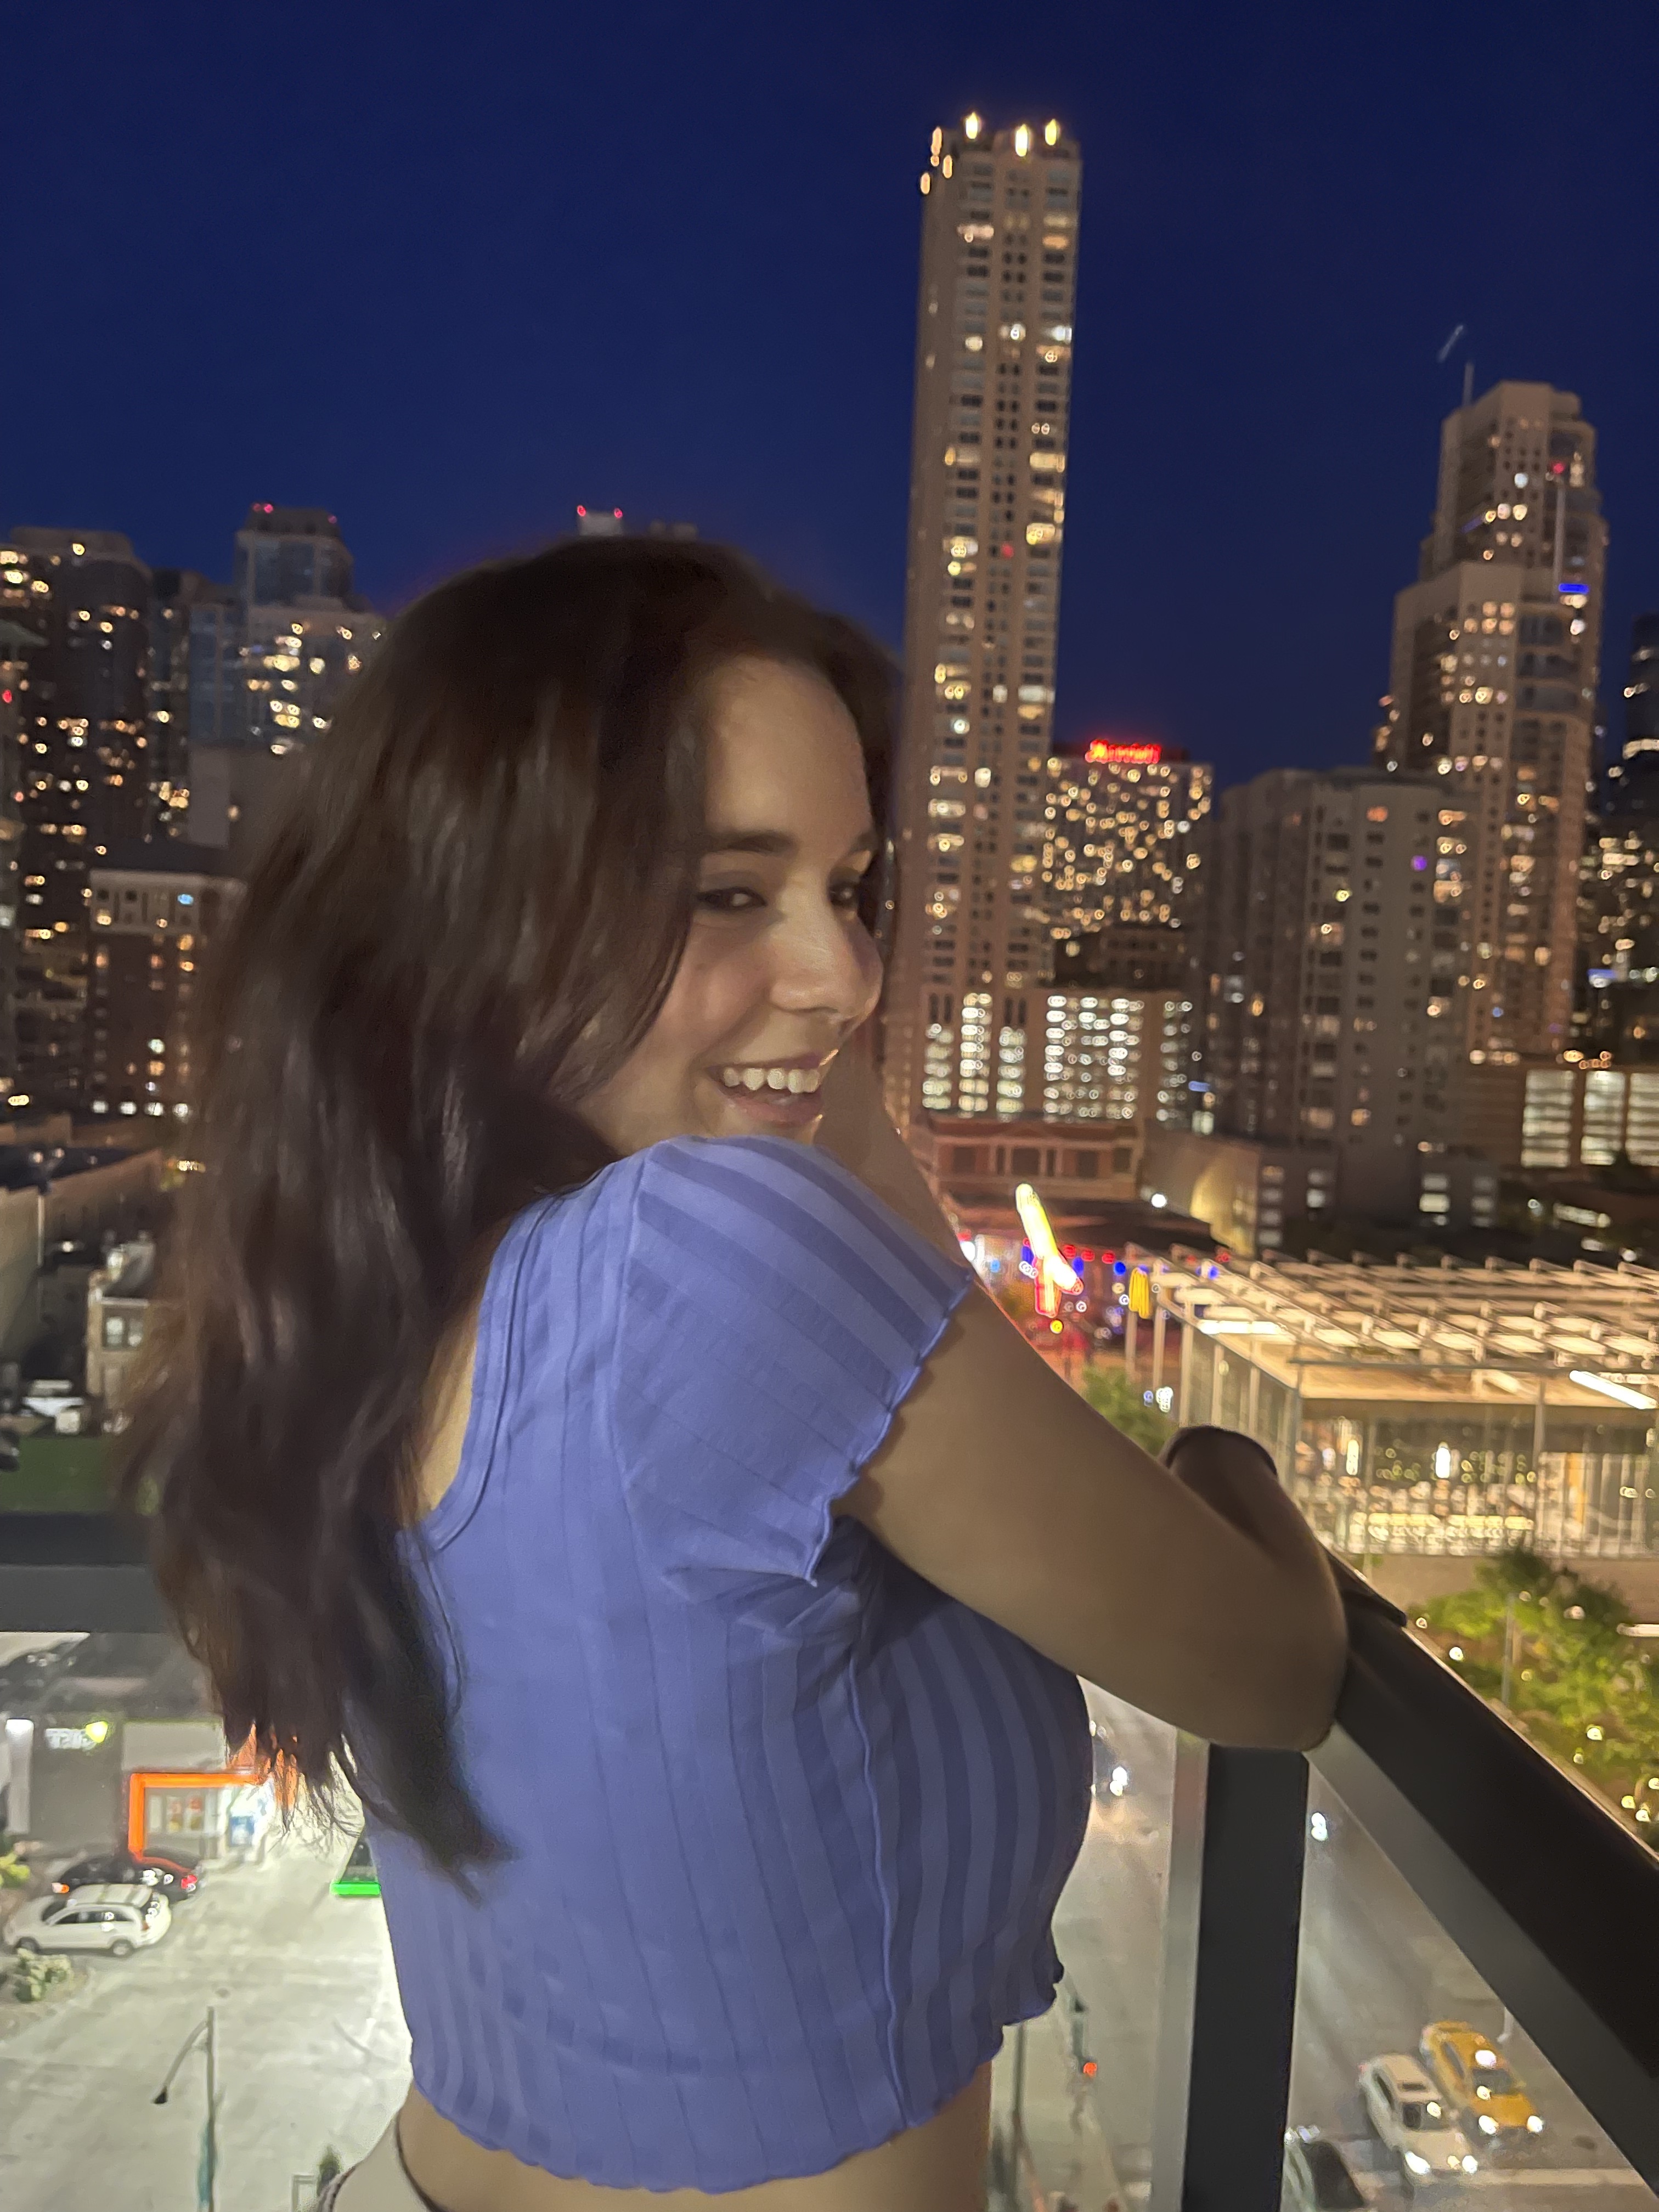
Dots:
(1451, 1410)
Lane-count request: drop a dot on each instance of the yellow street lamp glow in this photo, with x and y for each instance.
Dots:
(1051, 131)
(1022, 140)
(971, 127)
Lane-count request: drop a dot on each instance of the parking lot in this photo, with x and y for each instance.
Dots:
(312, 2049)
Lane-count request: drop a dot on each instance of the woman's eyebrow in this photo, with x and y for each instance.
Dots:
(777, 843)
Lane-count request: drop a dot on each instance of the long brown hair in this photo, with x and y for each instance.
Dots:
(464, 923)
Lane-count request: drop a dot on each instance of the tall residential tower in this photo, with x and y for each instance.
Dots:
(1492, 692)
(987, 509)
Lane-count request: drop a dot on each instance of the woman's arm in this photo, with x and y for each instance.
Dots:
(1197, 1591)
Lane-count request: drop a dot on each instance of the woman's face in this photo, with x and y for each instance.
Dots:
(778, 969)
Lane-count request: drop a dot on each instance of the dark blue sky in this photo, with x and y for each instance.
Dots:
(448, 269)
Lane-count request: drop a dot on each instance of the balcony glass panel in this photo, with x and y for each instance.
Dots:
(1382, 1988)
(1061, 2129)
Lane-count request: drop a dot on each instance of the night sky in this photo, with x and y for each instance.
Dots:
(449, 270)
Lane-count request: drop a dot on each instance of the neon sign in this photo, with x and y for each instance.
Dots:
(1115, 752)
(1056, 1278)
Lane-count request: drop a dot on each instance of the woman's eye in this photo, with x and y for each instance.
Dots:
(732, 898)
(846, 895)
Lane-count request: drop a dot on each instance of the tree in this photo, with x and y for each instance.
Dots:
(1111, 1393)
(1584, 1691)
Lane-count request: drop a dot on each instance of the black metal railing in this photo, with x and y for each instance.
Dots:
(1554, 1903)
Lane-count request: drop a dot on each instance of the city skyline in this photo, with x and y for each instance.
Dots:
(1268, 270)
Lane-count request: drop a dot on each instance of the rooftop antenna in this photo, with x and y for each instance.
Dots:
(1445, 353)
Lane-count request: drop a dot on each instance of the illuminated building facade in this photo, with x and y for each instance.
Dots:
(303, 631)
(1331, 979)
(1111, 1055)
(154, 909)
(17, 642)
(1617, 1014)
(1492, 689)
(176, 594)
(992, 391)
(84, 774)
(1642, 690)
(1122, 844)
(267, 664)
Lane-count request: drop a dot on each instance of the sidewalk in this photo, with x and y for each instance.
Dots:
(1052, 2154)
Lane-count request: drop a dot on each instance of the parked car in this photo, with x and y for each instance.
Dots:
(1414, 2120)
(357, 1877)
(171, 1877)
(1317, 2175)
(1487, 2097)
(1111, 1775)
(117, 1916)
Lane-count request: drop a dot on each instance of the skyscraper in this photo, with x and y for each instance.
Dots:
(176, 595)
(268, 660)
(303, 631)
(1493, 691)
(1637, 771)
(155, 908)
(987, 475)
(1124, 837)
(1331, 987)
(85, 778)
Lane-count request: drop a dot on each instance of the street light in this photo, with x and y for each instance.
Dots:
(207, 2199)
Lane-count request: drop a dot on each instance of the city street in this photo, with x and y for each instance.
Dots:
(312, 2050)
(1375, 1969)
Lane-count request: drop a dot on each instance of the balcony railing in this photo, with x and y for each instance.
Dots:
(1247, 1931)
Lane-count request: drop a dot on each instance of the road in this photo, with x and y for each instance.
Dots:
(1375, 1968)
(312, 2050)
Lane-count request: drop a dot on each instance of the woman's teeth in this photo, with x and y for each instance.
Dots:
(794, 1079)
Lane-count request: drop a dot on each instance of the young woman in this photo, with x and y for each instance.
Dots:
(579, 1429)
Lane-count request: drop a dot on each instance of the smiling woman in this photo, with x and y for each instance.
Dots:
(578, 1425)
(777, 968)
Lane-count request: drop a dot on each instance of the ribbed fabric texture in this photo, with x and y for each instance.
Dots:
(787, 1823)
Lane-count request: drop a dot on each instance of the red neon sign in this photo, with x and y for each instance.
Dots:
(1116, 752)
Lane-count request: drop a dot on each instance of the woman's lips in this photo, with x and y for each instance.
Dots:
(775, 1109)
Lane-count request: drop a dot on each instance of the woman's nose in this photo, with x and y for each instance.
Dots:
(825, 963)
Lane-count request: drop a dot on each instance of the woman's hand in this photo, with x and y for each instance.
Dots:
(855, 1129)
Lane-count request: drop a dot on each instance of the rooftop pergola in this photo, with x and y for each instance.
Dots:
(1403, 1333)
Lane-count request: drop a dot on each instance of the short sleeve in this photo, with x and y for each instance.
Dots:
(772, 1313)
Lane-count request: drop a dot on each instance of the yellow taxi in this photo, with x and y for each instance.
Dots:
(1493, 2107)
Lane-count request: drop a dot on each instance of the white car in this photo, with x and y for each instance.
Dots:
(117, 1916)
(1413, 2119)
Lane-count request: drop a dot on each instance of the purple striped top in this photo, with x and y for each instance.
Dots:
(786, 1824)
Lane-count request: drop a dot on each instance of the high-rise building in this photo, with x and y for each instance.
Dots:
(987, 511)
(1109, 1055)
(1617, 1013)
(85, 774)
(1641, 688)
(155, 908)
(303, 631)
(176, 595)
(1331, 980)
(17, 642)
(1493, 691)
(1123, 843)
(267, 663)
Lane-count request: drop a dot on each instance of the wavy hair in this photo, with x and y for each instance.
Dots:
(462, 925)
